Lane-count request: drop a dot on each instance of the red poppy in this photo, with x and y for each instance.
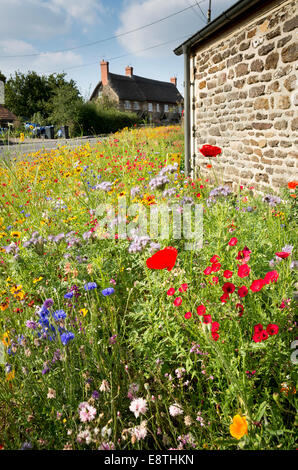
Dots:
(215, 267)
(258, 328)
(264, 335)
(171, 291)
(183, 288)
(272, 329)
(207, 271)
(207, 319)
(214, 259)
(210, 150)
(243, 270)
(187, 315)
(215, 336)
(243, 254)
(271, 276)
(224, 298)
(233, 241)
(215, 279)
(227, 274)
(214, 326)
(257, 337)
(257, 285)
(177, 301)
(242, 291)
(283, 254)
(163, 259)
(240, 308)
(228, 288)
(201, 310)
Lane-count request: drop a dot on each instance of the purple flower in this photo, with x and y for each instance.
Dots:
(48, 303)
(112, 339)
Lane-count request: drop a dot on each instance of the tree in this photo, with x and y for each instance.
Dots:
(63, 106)
(29, 94)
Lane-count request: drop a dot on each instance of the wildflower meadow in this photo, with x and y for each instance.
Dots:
(117, 339)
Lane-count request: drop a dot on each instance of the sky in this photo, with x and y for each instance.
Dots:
(73, 36)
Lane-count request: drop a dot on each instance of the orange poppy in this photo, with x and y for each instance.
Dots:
(292, 184)
(239, 427)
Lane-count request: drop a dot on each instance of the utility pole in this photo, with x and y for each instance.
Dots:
(209, 12)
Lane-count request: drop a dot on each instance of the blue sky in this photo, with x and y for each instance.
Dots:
(51, 31)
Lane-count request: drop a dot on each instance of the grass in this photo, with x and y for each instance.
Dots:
(78, 391)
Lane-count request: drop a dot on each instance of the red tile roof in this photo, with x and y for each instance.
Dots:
(6, 115)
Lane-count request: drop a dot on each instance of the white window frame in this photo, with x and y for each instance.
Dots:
(150, 107)
(157, 107)
(136, 105)
(127, 104)
(166, 108)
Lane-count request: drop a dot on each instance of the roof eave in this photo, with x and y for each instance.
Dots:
(225, 18)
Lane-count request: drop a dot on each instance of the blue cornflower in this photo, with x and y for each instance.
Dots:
(59, 314)
(66, 337)
(108, 291)
(69, 295)
(90, 286)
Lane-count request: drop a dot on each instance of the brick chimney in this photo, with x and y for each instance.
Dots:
(104, 69)
(174, 81)
(129, 71)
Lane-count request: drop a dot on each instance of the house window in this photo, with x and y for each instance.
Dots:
(127, 105)
(166, 108)
(150, 107)
(136, 105)
(157, 107)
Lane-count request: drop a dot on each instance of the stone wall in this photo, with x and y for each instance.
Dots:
(245, 99)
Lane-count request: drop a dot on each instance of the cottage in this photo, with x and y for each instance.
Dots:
(6, 117)
(160, 101)
(241, 94)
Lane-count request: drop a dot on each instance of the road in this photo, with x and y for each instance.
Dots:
(17, 150)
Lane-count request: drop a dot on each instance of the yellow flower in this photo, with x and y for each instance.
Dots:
(22, 137)
(37, 279)
(5, 339)
(15, 234)
(83, 312)
(239, 427)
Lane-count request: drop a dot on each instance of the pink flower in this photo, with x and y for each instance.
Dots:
(175, 410)
(87, 412)
(138, 406)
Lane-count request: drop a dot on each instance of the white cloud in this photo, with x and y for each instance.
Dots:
(32, 19)
(85, 11)
(137, 13)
